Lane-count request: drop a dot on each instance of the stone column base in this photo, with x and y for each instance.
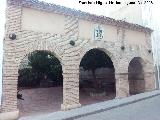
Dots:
(150, 82)
(122, 85)
(9, 115)
(68, 107)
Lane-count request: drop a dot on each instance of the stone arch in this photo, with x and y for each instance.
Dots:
(26, 47)
(111, 82)
(25, 55)
(43, 91)
(136, 76)
(140, 59)
(45, 45)
(99, 47)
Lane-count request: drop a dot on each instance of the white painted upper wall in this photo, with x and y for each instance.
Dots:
(40, 21)
(86, 30)
(135, 38)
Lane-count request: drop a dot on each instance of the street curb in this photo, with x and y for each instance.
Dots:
(112, 107)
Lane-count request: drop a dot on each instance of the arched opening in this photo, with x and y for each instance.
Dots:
(40, 84)
(97, 77)
(136, 76)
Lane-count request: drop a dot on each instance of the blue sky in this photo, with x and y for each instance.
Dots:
(96, 9)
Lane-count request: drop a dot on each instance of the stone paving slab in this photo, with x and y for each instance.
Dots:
(48, 100)
(94, 108)
(40, 100)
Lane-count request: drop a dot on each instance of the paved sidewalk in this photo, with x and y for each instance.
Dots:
(95, 108)
(148, 109)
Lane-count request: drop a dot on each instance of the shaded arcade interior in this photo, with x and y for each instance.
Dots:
(136, 76)
(40, 84)
(97, 78)
(40, 81)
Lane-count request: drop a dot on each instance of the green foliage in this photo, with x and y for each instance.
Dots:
(27, 78)
(94, 59)
(42, 66)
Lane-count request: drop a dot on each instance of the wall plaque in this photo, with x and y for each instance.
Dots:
(98, 32)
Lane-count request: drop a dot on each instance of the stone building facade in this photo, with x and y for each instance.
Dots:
(43, 26)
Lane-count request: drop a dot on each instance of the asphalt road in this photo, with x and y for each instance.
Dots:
(148, 109)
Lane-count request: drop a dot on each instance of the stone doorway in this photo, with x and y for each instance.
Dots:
(136, 76)
(97, 78)
(40, 84)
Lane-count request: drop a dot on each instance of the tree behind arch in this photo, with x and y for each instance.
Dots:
(43, 66)
(94, 59)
